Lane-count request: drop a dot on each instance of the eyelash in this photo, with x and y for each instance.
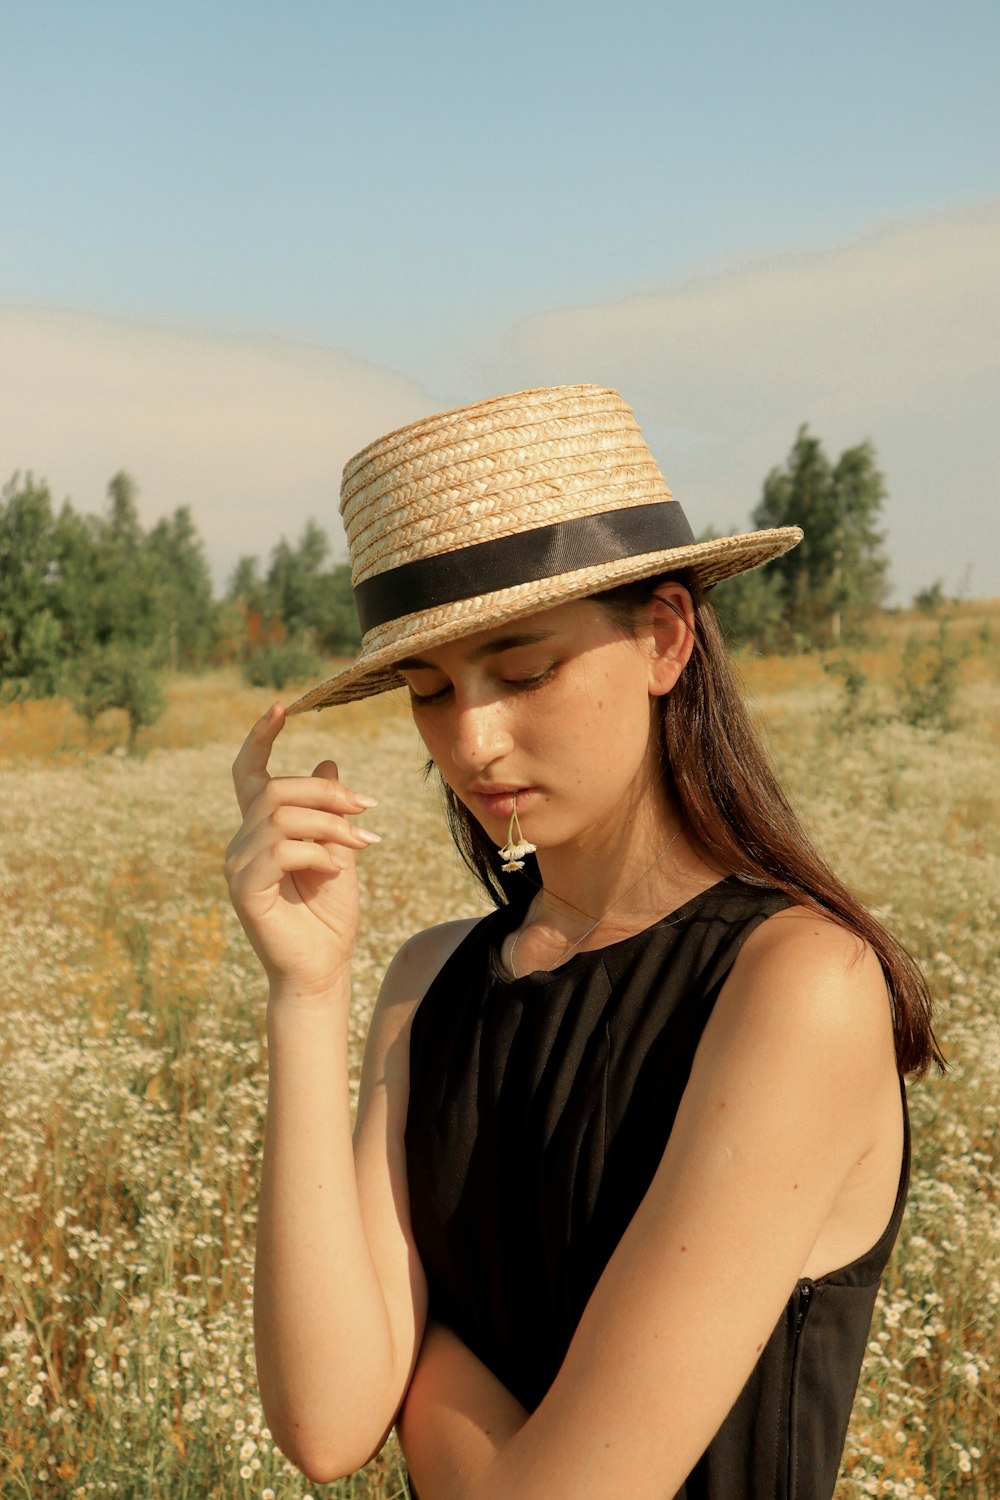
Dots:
(520, 685)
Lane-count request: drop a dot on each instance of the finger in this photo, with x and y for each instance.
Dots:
(305, 791)
(327, 771)
(293, 822)
(250, 775)
(287, 857)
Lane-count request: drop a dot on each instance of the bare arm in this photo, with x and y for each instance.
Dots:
(328, 1355)
(339, 1295)
(777, 1113)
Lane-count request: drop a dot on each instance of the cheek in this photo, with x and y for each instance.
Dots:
(605, 726)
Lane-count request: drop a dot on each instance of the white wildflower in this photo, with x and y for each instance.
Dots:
(516, 847)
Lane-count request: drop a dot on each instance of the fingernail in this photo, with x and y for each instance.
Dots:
(364, 801)
(368, 836)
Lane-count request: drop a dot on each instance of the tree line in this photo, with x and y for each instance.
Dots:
(97, 608)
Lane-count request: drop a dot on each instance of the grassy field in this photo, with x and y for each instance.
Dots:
(132, 1066)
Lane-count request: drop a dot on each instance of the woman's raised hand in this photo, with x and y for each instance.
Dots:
(290, 867)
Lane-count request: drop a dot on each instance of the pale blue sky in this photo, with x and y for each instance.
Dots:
(418, 185)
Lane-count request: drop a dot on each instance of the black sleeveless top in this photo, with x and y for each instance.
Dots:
(539, 1110)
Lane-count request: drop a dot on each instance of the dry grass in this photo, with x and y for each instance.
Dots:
(132, 1072)
(214, 708)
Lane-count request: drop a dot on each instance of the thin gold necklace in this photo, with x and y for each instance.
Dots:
(594, 925)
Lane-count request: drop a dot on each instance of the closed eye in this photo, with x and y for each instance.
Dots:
(527, 684)
(517, 684)
(428, 697)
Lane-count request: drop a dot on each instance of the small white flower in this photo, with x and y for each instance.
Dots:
(518, 850)
(516, 847)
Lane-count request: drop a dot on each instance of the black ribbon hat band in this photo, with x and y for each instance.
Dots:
(527, 557)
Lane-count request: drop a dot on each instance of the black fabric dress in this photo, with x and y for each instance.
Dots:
(539, 1110)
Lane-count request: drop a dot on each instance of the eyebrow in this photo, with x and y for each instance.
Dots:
(487, 648)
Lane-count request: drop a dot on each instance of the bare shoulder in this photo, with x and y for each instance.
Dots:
(409, 976)
(421, 958)
(799, 1055)
(805, 987)
(828, 974)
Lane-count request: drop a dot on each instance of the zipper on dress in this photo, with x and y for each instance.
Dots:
(806, 1289)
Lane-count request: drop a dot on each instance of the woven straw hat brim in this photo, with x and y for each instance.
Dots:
(374, 671)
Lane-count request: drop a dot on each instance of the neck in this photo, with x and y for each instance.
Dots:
(548, 929)
(579, 884)
(584, 876)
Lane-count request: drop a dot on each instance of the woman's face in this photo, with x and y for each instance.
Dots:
(554, 709)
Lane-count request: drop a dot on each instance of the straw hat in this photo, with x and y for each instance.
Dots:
(465, 520)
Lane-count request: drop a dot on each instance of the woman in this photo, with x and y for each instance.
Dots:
(631, 1152)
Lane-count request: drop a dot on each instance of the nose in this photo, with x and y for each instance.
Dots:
(479, 736)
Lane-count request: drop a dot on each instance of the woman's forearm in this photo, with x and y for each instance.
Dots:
(456, 1419)
(324, 1349)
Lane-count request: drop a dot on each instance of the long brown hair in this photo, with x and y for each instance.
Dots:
(733, 808)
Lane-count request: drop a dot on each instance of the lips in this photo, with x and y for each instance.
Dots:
(498, 801)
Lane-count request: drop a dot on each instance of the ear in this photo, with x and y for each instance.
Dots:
(671, 636)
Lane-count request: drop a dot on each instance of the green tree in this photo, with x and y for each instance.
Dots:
(30, 632)
(338, 626)
(124, 527)
(296, 582)
(313, 601)
(72, 587)
(117, 676)
(77, 542)
(247, 586)
(749, 606)
(79, 594)
(181, 583)
(835, 578)
(129, 610)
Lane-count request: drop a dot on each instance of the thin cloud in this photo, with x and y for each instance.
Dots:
(250, 431)
(895, 337)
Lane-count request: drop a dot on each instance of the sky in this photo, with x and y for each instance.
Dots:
(239, 241)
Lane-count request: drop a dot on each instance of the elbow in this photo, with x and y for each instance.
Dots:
(319, 1460)
(324, 1454)
(320, 1469)
(316, 1467)
(331, 1422)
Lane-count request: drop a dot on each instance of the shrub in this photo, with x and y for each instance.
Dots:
(276, 663)
(115, 677)
(928, 679)
(930, 599)
(857, 709)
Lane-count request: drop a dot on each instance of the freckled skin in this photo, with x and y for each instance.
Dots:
(588, 728)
